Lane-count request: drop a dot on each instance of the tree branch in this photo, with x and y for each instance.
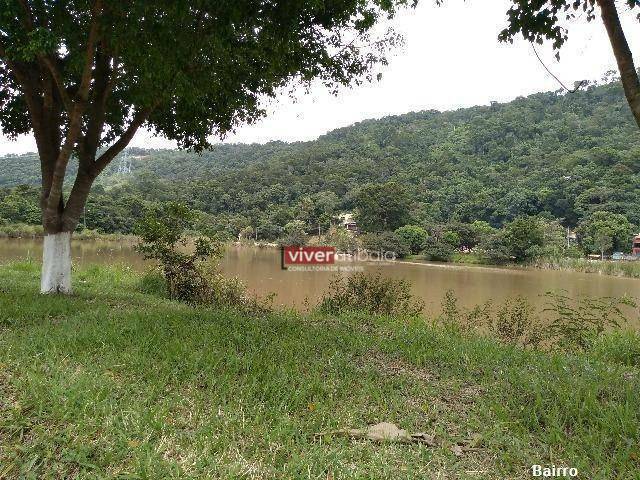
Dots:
(19, 72)
(49, 61)
(51, 218)
(57, 78)
(622, 52)
(28, 22)
(85, 80)
(104, 159)
(105, 77)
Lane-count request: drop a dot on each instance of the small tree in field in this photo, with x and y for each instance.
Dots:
(162, 238)
(84, 75)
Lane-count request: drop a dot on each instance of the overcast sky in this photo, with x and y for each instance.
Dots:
(451, 59)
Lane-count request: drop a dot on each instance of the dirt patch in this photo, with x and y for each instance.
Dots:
(392, 366)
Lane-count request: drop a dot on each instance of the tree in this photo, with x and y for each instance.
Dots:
(19, 206)
(295, 234)
(481, 230)
(342, 239)
(84, 75)
(523, 236)
(382, 206)
(540, 19)
(440, 249)
(414, 236)
(603, 231)
(603, 240)
(384, 243)
(494, 247)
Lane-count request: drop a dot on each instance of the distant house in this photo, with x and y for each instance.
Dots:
(348, 222)
(635, 249)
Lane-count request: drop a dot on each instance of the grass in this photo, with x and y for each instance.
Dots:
(115, 383)
(23, 230)
(603, 267)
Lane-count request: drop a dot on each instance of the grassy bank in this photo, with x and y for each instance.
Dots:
(23, 230)
(603, 267)
(116, 383)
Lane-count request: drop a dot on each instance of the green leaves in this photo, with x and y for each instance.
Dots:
(382, 206)
(38, 42)
(203, 67)
(540, 19)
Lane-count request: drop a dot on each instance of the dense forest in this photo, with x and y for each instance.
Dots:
(569, 159)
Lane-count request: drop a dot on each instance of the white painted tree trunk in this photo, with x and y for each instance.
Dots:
(56, 263)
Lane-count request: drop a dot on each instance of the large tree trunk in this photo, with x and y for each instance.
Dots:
(68, 107)
(58, 226)
(56, 263)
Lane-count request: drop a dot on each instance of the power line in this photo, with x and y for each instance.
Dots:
(582, 82)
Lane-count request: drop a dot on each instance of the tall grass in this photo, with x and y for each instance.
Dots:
(606, 267)
(20, 230)
(23, 230)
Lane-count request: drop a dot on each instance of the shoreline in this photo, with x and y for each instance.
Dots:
(620, 269)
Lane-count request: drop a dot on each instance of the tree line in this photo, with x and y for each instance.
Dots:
(550, 160)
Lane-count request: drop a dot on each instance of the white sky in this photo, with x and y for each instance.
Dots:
(451, 59)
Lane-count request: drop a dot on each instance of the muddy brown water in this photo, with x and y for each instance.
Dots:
(259, 269)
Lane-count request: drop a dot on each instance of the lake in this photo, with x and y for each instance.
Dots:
(259, 269)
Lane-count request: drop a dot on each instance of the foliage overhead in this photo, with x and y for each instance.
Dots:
(538, 20)
(84, 75)
(200, 68)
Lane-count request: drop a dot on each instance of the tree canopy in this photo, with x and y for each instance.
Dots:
(84, 75)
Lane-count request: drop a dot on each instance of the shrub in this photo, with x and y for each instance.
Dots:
(20, 230)
(343, 240)
(373, 294)
(437, 249)
(494, 248)
(190, 272)
(564, 323)
(516, 323)
(162, 238)
(578, 323)
(385, 242)
(513, 323)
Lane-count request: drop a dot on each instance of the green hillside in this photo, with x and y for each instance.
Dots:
(560, 156)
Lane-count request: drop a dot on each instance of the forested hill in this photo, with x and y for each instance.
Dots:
(565, 156)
